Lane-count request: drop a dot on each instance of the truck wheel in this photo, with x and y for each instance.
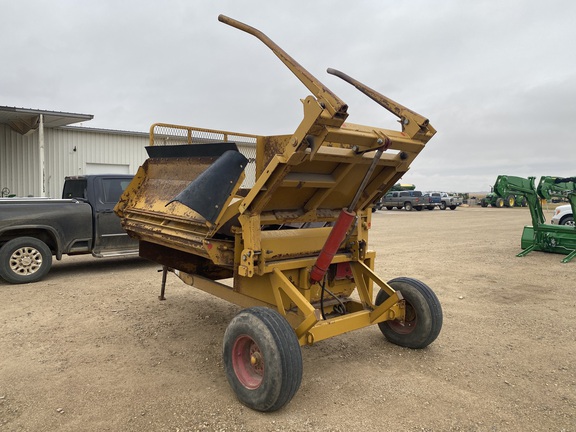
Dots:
(389, 207)
(452, 207)
(24, 259)
(442, 205)
(484, 203)
(499, 203)
(408, 206)
(418, 208)
(430, 207)
(262, 359)
(399, 207)
(568, 221)
(423, 319)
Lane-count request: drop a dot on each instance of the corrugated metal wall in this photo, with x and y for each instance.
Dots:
(19, 161)
(68, 151)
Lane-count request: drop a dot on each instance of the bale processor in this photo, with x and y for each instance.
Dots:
(292, 248)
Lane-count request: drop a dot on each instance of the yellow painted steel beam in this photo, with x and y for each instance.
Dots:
(346, 323)
(221, 290)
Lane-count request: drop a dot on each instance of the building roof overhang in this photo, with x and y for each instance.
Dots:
(24, 120)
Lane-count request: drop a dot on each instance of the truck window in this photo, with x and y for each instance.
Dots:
(74, 189)
(113, 188)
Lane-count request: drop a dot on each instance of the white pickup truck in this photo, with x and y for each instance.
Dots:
(563, 216)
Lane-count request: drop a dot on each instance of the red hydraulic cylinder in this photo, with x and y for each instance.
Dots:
(335, 238)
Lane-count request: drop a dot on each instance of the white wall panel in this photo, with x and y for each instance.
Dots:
(71, 151)
(67, 150)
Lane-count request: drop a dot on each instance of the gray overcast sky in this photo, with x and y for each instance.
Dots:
(497, 79)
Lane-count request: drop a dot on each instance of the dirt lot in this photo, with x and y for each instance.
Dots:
(91, 348)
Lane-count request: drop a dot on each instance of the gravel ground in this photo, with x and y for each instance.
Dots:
(90, 348)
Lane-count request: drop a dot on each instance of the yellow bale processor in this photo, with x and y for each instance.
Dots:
(279, 225)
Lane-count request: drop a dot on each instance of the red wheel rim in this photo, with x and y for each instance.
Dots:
(248, 362)
(408, 325)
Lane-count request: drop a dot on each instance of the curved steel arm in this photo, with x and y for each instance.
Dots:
(394, 107)
(332, 102)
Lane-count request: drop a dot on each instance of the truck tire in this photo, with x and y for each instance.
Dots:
(389, 207)
(419, 208)
(453, 207)
(568, 221)
(408, 206)
(262, 359)
(484, 203)
(499, 203)
(24, 260)
(443, 205)
(430, 207)
(423, 320)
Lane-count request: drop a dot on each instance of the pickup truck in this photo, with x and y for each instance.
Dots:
(32, 230)
(404, 199)
(444, 200)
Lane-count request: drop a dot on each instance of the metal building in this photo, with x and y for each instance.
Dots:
(39, 148)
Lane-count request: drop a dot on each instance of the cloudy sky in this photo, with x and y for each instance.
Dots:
(497, 79)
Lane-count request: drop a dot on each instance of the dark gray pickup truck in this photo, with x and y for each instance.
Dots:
(404, 199)
(32, 230)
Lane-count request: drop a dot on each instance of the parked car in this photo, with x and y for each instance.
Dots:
(32, 230)
(563, 216)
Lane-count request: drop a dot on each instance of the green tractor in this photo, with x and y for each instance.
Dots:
(541, 236)
(500, 197)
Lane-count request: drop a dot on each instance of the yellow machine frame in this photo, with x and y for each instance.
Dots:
(302, 179)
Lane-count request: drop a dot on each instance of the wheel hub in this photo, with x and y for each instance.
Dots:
(25, 261)
(248, 362)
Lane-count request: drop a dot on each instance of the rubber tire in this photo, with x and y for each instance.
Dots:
(389, 207)
(399, 207)
(499, 203)
(430, 207)
(509, 201)
(276, 342)
(484, 203)
(568, 221)
(453, 207)
(408, 206)
(34, 247)
(422, 309)
(442, 205)
(418, 208)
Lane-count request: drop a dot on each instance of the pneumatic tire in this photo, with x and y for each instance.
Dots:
(24, 260)
(568, 221)
(423, 320)
(510, 201)
(262, 359)
(408, 206)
